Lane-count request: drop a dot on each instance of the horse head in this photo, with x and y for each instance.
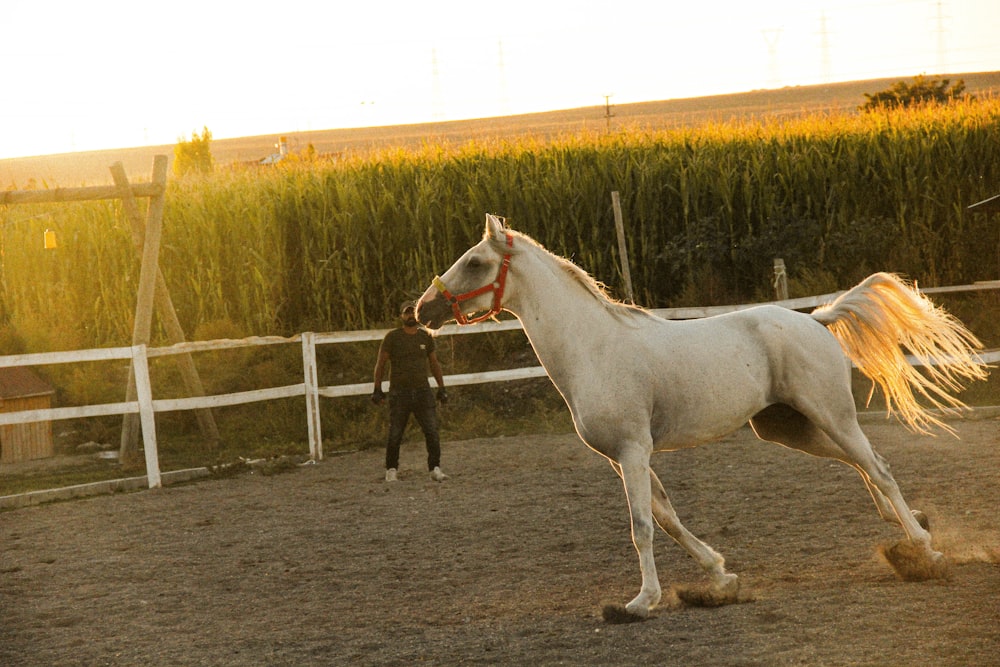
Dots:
(475, 283)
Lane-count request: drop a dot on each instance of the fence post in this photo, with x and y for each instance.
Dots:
(312, 396)
(622, 249)
(780, 280)
(144, 394)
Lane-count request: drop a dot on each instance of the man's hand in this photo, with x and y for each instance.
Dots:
(442, 395)
(378, 396)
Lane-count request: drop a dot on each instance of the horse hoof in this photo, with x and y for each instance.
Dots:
(914, 562)
(921, 519)
(708, 596)
(616, 614)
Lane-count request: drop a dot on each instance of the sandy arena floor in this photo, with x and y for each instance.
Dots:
(509, 562)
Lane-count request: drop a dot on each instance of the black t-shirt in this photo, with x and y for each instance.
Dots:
(408, 365)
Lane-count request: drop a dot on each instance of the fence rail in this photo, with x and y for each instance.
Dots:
(146, 406)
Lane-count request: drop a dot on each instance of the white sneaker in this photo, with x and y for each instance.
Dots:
(437, 475)
(390, 475)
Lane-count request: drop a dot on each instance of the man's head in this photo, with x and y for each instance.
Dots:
(408, 313)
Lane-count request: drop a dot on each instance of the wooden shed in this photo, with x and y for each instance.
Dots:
(22, 389)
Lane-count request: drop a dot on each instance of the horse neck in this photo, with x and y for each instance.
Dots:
(563, 321)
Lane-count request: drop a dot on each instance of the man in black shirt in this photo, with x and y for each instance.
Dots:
(409, 350)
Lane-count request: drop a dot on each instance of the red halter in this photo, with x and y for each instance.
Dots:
(497, 287)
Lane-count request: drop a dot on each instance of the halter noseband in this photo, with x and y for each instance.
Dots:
(497, 287)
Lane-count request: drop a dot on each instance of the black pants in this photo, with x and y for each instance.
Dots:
(419, 403)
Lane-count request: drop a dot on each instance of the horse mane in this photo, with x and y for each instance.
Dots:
(594, 287)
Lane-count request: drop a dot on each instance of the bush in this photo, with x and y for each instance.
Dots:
(921, 91)
(194, 156)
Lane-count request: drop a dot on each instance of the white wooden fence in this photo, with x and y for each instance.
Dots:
(147, 407)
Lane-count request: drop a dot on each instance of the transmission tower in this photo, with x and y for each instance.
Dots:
(826, 68)
(437, 99)
(771, 36)
(942, 56)
(502, 72)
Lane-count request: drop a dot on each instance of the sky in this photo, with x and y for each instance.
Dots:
(104, 74)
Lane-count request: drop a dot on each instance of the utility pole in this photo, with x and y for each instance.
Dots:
(607, 111)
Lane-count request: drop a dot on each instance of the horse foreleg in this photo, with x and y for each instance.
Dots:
(724, 586)
(648, 501)
(635, 474)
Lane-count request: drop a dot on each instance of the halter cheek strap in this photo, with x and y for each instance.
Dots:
(497, 287)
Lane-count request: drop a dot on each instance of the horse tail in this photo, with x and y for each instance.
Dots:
(877, 319)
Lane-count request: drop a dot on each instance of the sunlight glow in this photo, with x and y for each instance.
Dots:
(111, 73)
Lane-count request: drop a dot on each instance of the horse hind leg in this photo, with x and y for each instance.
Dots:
(723, 586)
(914, 559)
(782, 424)
(885, 508)
(844, 440)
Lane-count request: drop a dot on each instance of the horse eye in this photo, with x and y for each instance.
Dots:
(474, 263)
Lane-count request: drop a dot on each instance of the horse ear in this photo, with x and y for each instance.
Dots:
(494, 226)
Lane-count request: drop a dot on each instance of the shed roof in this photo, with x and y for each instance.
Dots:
(21, 382)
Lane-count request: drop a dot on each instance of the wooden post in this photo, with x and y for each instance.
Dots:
(151, 286)
(143, 322)
(311, 387)
(144, 394)
(622, 250)
(780, 280)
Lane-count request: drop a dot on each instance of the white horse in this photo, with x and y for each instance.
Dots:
(636, 383)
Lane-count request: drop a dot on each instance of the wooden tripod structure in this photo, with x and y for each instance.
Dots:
(152, 290)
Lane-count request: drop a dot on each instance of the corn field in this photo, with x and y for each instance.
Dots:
(334, 244)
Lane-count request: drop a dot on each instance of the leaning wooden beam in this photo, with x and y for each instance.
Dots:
(168, 317)
(92, 193)
(143, 321)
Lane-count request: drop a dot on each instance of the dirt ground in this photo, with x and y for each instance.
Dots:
(509, 562)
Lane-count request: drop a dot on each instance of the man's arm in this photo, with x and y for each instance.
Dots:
(383, 358)
(432, 360)
(378, 395)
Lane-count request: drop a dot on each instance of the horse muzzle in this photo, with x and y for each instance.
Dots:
(433, 310)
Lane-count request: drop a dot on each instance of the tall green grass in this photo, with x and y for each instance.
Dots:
(336, 244)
